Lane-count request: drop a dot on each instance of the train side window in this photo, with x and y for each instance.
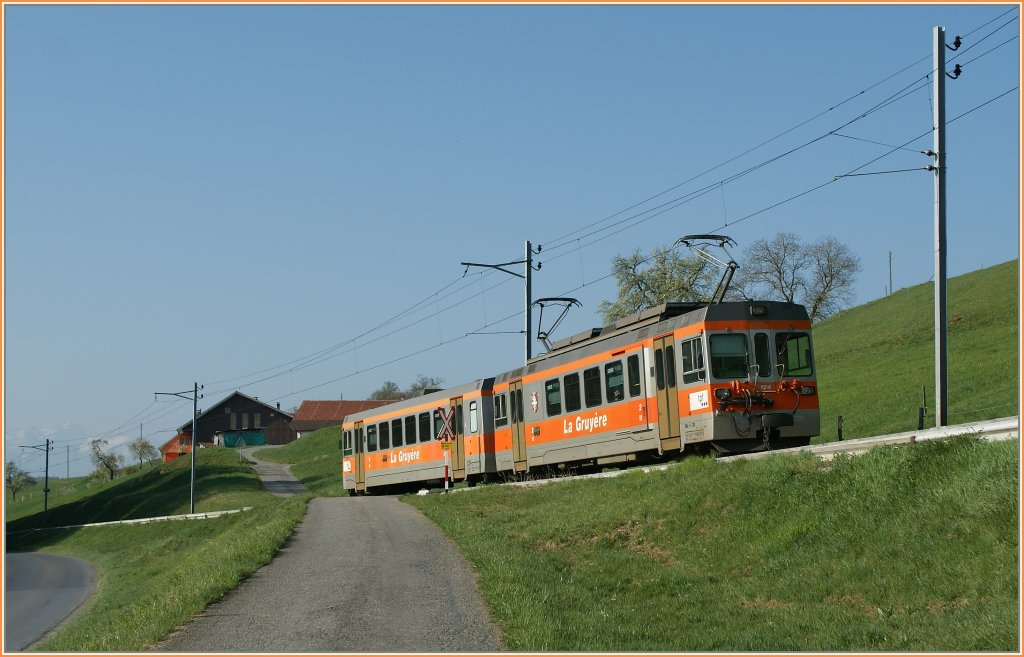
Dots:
(762, 354)
(670, 366)
(794, 350)
(500, 411)
(572, 392)
(437, 424)
(659, 369)
(396, 433)
(592, 386)
(553, 397)
(693, 360)
(371, 438)
(633, 366)
(385, 438)
(410, 430)
(424, 422)
(614, 386)
(474, 424)
(729, 355)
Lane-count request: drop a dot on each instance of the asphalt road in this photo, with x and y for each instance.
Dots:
(41, 590)
(276, 477)
(360, 574)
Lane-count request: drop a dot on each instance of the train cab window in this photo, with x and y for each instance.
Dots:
(500, 411)
(424, 423)
(474, 423)
(385, 439)
(371, 438)
(572, 392)
(410, 430)
(615, 388)
(693, 359)
(762, 355)
(633, 368)
(553, 397)
(396, 433)
(346, 444)
(729, 355)
(794, 354)
(592, 386)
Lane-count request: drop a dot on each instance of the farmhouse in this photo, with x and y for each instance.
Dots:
(241, 417)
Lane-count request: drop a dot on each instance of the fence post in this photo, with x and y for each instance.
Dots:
(920, 418)
(839, 426)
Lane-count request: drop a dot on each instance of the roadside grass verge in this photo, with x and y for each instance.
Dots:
(901, 549)
(155, 577)
(316, 461)
(62, 490)
(874, 359)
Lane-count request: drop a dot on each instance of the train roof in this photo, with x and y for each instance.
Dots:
(656, 320)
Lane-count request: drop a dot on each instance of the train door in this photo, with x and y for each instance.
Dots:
(515, 402)
(667, 392)
(360, 451)
(459, 448)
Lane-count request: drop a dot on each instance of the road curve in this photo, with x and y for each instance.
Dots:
(42, 590)
(366, 574)
(277, 478)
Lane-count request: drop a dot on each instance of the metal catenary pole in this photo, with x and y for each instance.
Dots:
(939, 148)
(195, 429)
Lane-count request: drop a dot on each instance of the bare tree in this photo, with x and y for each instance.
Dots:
(16, 478)
(142, 450)
(388, 390)
(103, 458)
(819, 275)
(647, 281)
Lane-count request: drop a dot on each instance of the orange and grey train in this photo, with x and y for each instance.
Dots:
(679, 378)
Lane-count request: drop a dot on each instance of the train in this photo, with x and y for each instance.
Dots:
(681, 378)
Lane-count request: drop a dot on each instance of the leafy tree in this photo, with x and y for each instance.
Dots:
(103, 458)
(16, 478)
(663, 276)
(819, 275)
(141, 449)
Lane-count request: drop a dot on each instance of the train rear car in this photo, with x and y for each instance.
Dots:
(398, 443)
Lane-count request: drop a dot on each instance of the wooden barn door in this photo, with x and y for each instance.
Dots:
(668, 392)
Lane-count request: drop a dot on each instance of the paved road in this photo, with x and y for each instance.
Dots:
(366, 574)
(276, 477)
(41, 591)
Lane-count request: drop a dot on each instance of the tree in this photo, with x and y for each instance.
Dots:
(142, 450)
(666, 277)
(819, 275)
(16, 478)
(390, 389)
(104, 459)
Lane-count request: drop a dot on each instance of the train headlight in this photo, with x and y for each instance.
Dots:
(722, 394)
(806, 390)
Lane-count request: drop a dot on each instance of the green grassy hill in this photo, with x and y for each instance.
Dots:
(874, 359)
(316, 459)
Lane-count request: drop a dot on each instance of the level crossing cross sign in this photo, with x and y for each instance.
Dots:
(446, 433)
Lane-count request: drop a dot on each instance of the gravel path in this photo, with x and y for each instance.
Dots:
(276, 477)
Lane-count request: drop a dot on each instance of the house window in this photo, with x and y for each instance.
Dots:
(245, 421)
(234, 421)
(256, 421)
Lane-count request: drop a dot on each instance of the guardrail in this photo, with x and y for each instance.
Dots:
(141, 521)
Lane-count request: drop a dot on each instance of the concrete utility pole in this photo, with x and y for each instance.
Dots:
(527, 276)
(939, 153)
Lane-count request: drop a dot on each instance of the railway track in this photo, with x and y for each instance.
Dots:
(992, 430)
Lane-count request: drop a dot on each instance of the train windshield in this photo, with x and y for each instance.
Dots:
(729, 355)
(794, 354)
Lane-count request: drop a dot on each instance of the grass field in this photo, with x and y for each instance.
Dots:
(902, 549)
(874, 359)
(154, 577)
(62, 491)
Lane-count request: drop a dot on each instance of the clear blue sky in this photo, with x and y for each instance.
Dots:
(198, 193)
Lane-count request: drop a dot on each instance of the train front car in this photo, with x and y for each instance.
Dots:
(681, 377)
(398, 444)
(747, 380)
